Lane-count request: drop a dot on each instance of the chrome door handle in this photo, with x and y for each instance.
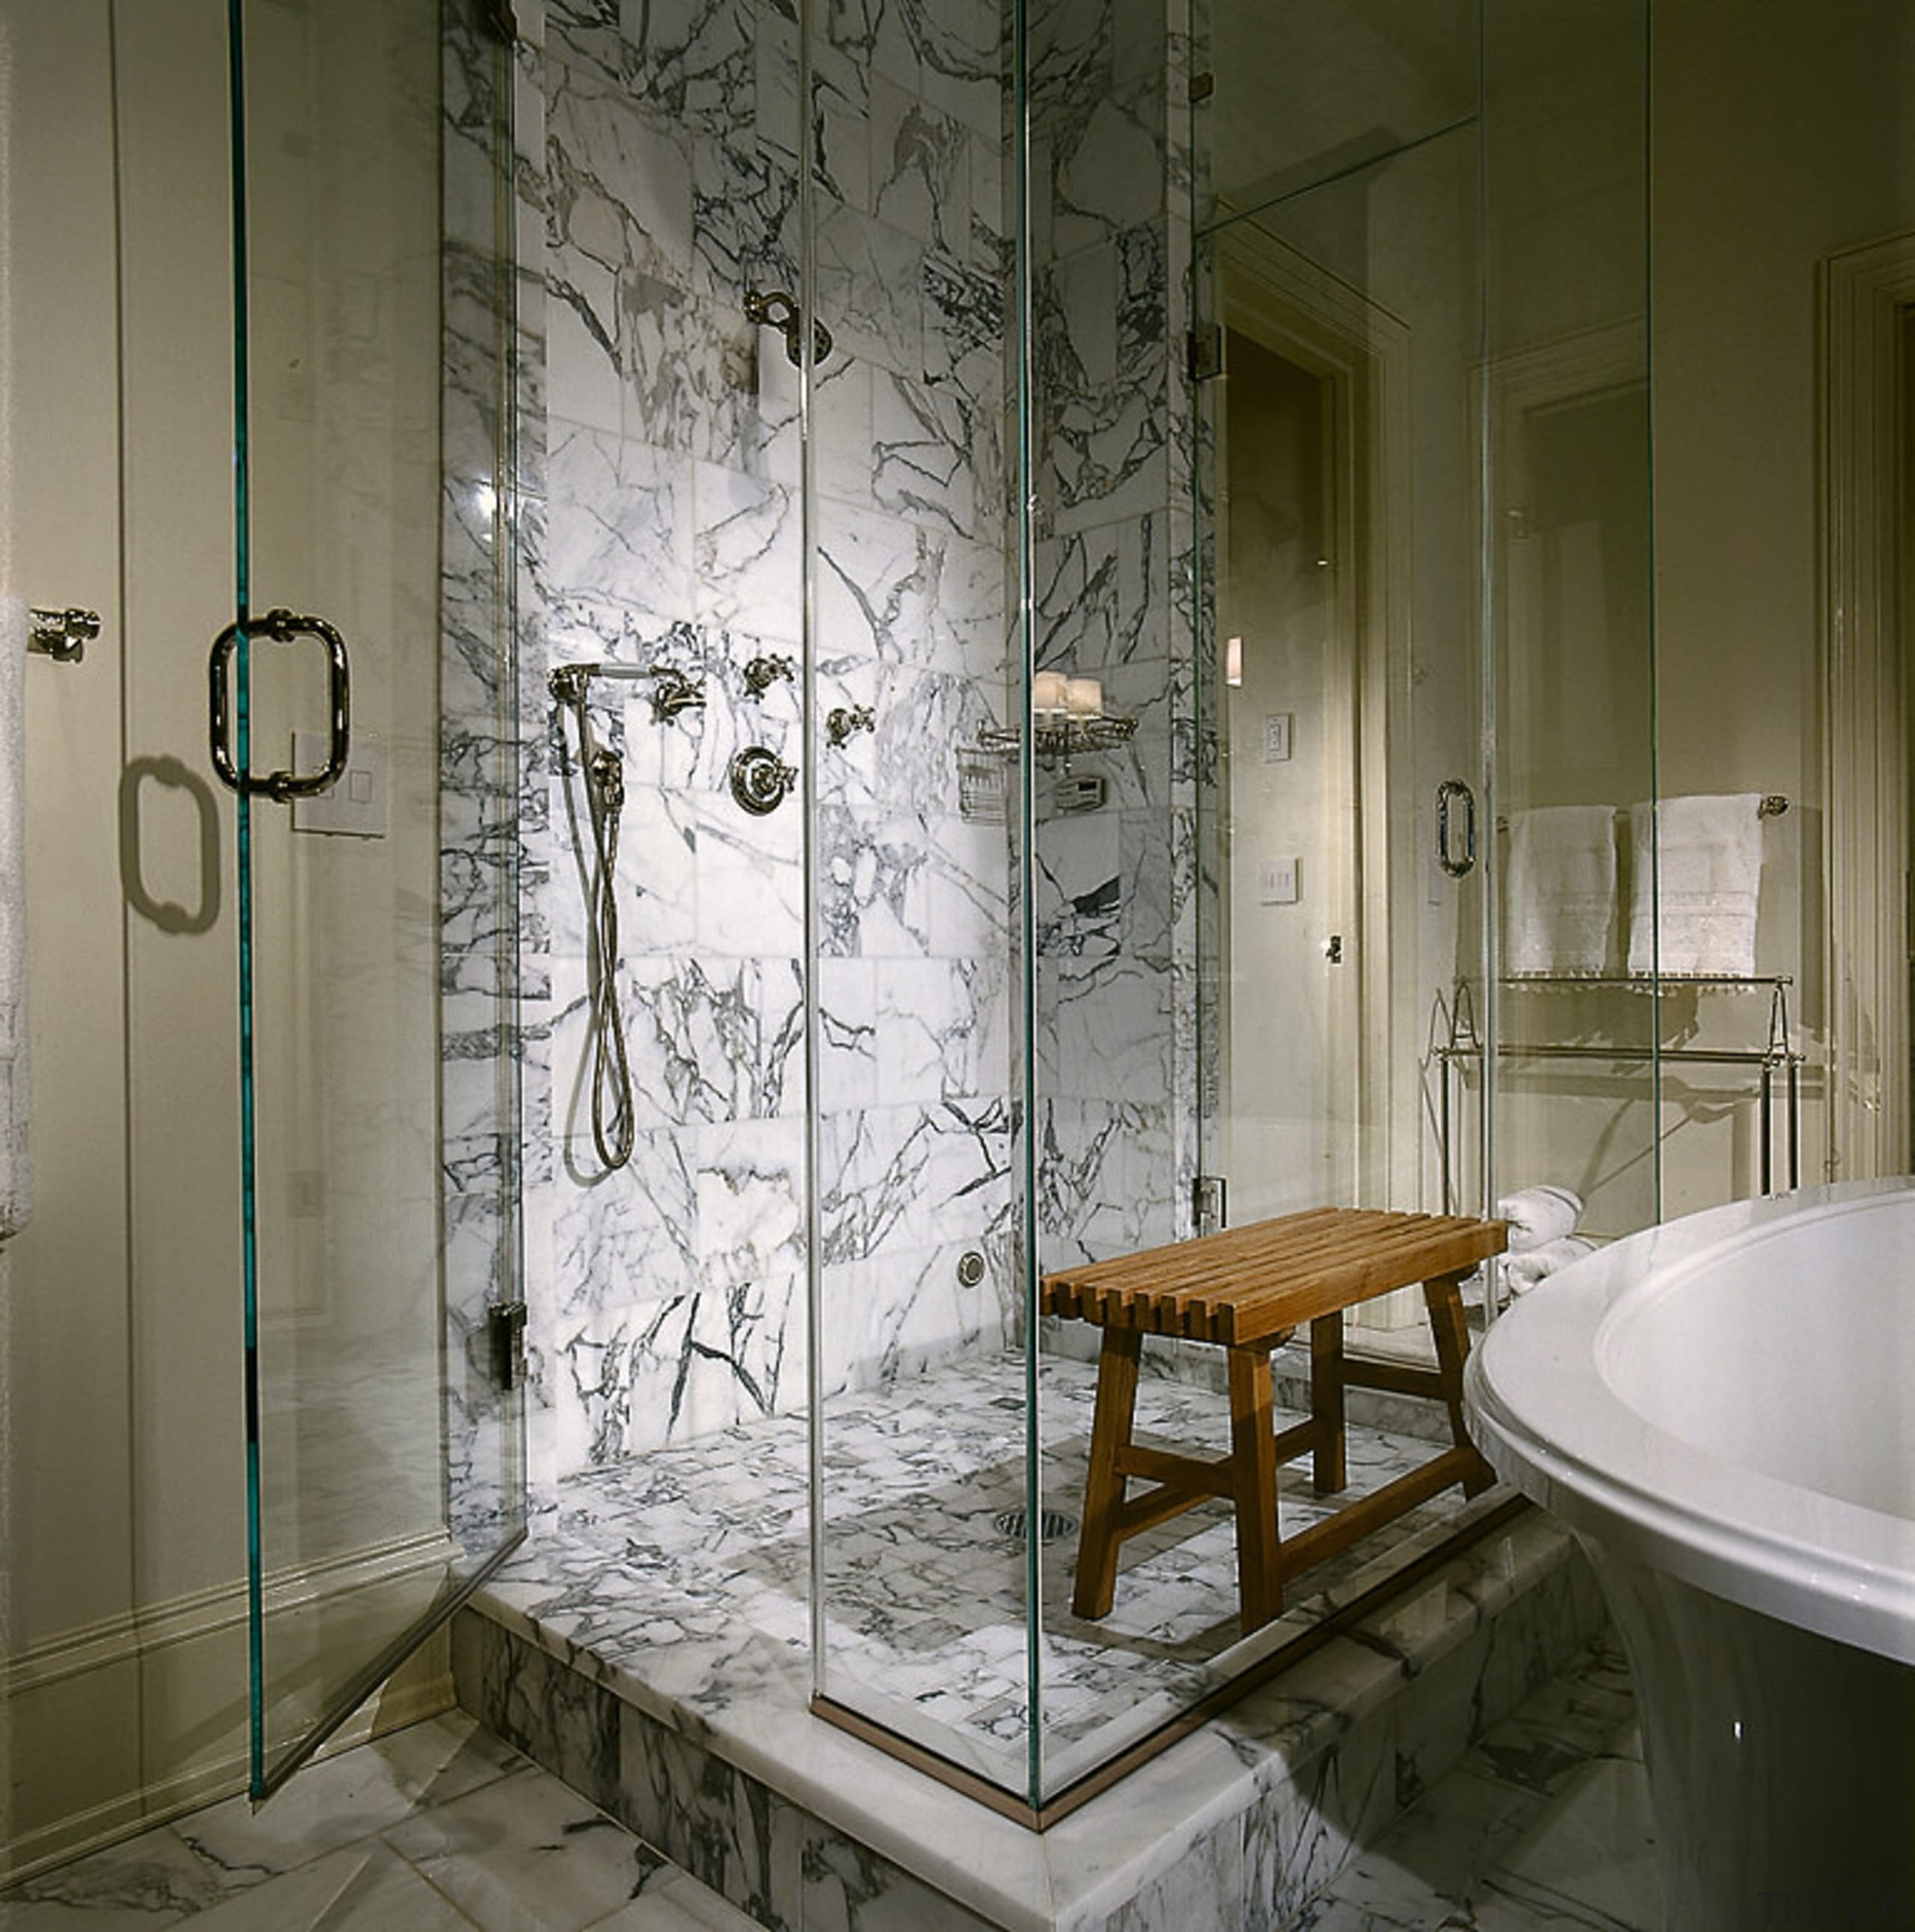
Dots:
(1449, 790)
(283, 627)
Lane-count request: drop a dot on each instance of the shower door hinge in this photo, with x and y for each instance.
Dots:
(505, 1324)
(1203, 350)
(1209, 1203)
(502, 17)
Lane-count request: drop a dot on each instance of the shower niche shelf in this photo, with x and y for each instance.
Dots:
(1065, 739)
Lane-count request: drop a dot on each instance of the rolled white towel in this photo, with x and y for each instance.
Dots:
(1537, 1215)
(1521, 1272)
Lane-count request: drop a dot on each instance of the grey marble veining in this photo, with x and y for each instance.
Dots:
(722, 1765)
(439, 1826)
(669, 1292)
(923, 1591)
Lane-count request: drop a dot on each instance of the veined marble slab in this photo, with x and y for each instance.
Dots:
(670, 1681)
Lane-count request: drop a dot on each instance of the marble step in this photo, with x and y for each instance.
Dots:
(701, 1741)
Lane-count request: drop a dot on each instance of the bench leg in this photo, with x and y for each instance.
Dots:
(1253, 1472)
(1096, 1586)
(1444, 1298)
(1326, 1403)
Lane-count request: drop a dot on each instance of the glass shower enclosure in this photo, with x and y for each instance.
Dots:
(363, 701)
(260, 377)
(1301, 484)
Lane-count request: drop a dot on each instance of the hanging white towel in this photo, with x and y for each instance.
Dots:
(16, 1164)
(1694, 911)
(1539, 1215)
(1560, 901)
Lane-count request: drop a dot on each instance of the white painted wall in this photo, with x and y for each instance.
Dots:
(1781, 133)
(123, 1684)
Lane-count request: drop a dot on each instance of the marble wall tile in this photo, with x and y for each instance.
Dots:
(487, 953)
(695, 60)
(910, 1177)
(745, 556)
(721, 1826)
(749, 1204)
(846, 1888)
(900, 1313)
(561, 1718)
(619, 546)
(670, 187)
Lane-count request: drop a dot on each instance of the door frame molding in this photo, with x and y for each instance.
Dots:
(1334, 330)
(1865, 295)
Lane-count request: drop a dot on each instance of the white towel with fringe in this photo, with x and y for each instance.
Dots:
(1559, 900)
(1694, 911)
(15, 1161)
(1539, 1215)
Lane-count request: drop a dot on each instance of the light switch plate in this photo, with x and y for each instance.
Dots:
(1276, 881)
(1276, 737)
(355, 806)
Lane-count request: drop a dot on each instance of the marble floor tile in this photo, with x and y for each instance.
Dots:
(358, 1885)
(345, 1798)
(439, 1828)
(1544, 1825)
(527, 1852)
(152, 1880)
(1595, 1850)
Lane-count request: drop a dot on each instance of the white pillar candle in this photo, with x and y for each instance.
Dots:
(1047, 693)
(1085, 697)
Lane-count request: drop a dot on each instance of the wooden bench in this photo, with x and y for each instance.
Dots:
(1250, 1289)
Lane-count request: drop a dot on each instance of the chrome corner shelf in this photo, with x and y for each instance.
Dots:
(1066, 739)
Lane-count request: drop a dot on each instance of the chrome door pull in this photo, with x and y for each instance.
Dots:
(1449, 790)
(283, 627)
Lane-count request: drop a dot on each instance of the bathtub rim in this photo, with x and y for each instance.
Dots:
(1552, 1425)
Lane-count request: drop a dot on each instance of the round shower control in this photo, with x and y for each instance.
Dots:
(760, 779)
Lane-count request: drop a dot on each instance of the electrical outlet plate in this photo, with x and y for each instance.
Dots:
(1277, 726)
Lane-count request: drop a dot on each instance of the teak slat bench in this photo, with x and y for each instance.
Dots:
(1251, 1288)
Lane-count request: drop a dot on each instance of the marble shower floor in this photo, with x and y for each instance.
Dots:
(924, 1591)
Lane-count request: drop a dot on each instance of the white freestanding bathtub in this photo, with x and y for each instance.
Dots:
(1723, 1410)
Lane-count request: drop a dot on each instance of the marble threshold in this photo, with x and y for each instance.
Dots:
(686, 1712)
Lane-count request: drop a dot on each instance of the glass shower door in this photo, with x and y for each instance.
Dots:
(383, 1469)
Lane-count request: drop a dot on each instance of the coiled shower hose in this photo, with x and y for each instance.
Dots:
(613, 1127)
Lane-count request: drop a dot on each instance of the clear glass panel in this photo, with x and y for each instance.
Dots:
(1113, 1038)
(1312, 89)
(385, 1458)
(918, 1373)
(1345, 996)
(1571, 599)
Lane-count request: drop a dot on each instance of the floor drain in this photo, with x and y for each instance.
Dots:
(1051, 1524)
